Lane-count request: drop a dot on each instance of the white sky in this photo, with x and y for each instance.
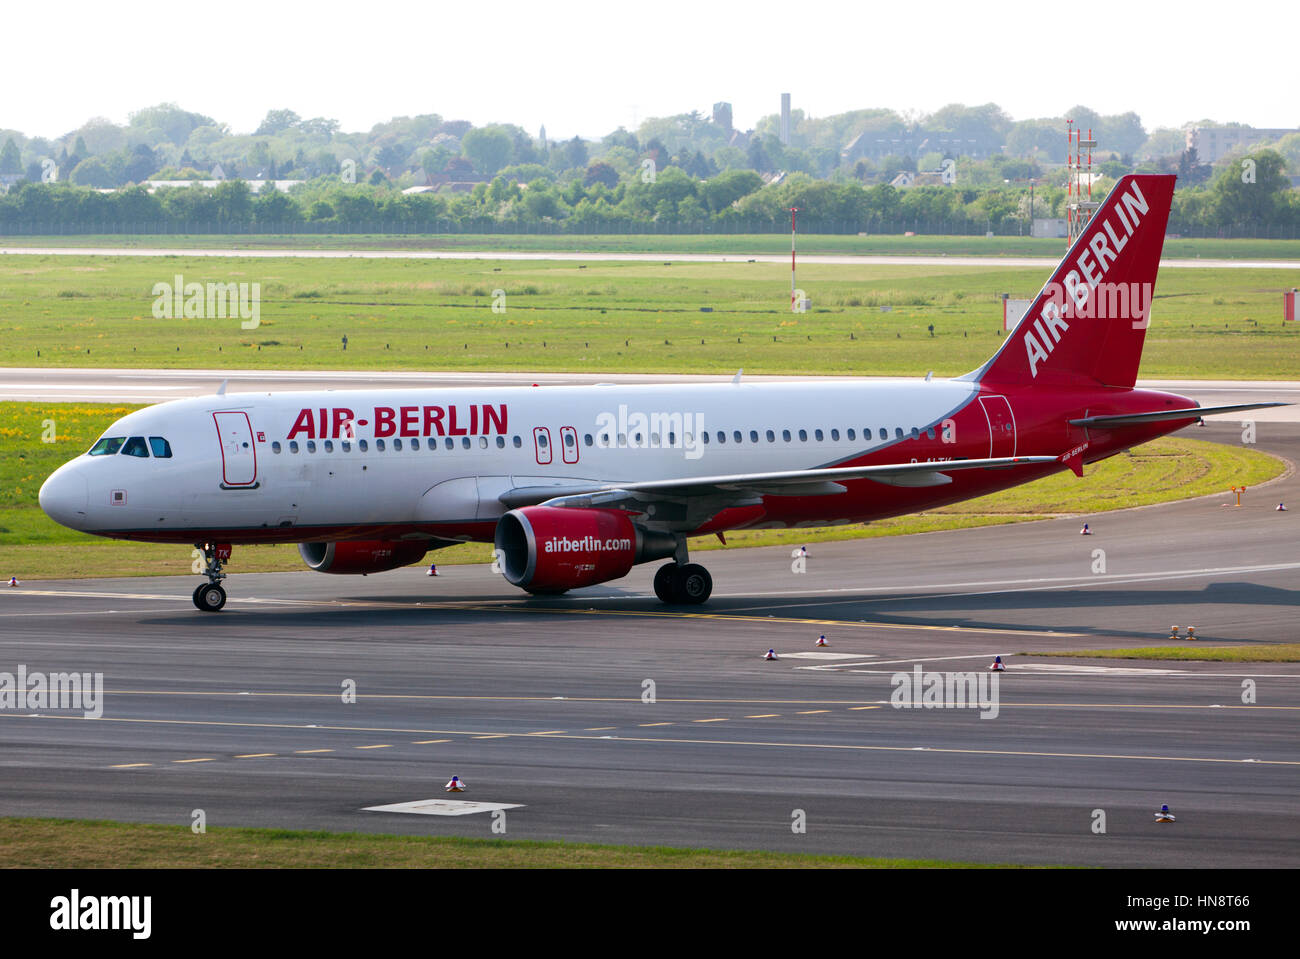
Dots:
(584, 67)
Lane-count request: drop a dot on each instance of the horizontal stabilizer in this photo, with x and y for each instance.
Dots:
(1194, 413)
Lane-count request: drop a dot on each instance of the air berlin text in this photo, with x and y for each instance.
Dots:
(473, 419)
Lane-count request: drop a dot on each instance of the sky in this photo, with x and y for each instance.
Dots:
(585, 68)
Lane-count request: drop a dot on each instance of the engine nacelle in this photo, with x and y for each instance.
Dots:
(362, 556)
(549, 549)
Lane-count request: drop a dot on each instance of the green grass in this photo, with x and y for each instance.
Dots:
(33, 843)
(609, 317)
(34, 547)
(1280, 653)
(772, 243)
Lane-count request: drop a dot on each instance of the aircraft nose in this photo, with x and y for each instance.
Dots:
(64, 496)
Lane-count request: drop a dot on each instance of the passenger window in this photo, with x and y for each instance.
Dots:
(736, 436)
(449, 443)
(464, 441)
(771, 436)
(397, 444)
(853, 434)
(898, 432)
(622, 441)
(345, 446)
(161, 448)
(835, 435)
(379, 445)
(753, 436)
(415, 444)
(916, 434)
(311, 446)
(930, 433)
(517, 442)
(672, 439)
(884, 433)
(586, 440)
(363, 445)
(106, 446)
(722, 437)
(654, 439)
(705, 437)
(803, 436)
(818, 434)
(275, 447)
(542, 440)
(135, 447)
(482, 442)
(329, 446)
(785, 435)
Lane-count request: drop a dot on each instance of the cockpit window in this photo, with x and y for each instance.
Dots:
(107, 446)
(161, 448)
(135, 447)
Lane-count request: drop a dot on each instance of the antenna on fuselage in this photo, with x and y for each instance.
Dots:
(735, 380)
(221, 390)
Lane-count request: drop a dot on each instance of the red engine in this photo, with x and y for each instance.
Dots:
(362, 556)
(548, 549)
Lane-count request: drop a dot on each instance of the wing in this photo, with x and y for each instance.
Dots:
(689, 502)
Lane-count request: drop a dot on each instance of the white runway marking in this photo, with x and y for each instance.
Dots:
(442, 807)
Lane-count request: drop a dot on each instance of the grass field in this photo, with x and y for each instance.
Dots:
(773, 243)
(602, 317)
(1277, 653)
(32, 546)
(32, 843)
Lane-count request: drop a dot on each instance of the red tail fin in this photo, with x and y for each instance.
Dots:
(1088, 324)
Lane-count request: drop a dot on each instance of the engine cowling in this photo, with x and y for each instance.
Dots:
(549, 549)
(362, 556)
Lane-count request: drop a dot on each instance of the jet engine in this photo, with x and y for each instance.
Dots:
(550, 549)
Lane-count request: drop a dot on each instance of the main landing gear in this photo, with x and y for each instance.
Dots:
(683, 584)
(210, 596)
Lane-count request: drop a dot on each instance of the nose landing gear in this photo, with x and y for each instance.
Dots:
(211, 596)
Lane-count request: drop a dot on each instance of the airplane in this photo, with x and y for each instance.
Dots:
(576, 485)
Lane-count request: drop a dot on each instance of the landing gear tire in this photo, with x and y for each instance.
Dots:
(694, 584)
(210, 597)
(687, 585)
(665, 577)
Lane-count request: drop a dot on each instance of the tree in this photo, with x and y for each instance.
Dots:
(726, 188)
(600, 172)
(575, 153)
(11, 160)
(488, 148)
(277, 121)
(141, 164)
(1250, 192)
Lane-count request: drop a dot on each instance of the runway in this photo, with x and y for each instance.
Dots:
(88, 385)
(545, 704)
(833, 259)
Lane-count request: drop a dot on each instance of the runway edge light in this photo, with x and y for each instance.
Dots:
(821, 640)
(13, 580)
(1085, 531)
(771, 654)
(997, 666)
(1164, 815)
(455, 786)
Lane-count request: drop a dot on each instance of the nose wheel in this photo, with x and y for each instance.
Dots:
(210, 597)
(687, 584)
